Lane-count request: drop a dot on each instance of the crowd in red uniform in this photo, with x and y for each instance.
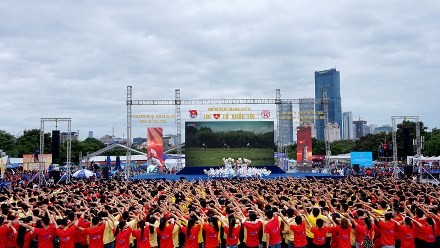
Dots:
(343, 213)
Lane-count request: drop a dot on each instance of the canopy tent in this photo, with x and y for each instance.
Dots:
(412, 159)
(103, 159)
(83, 174)
(16, 160)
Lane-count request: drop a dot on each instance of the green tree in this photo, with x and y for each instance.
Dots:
(31, 139)
(318, 147)
(90, 145)
(432, 145)
(8, 143)
(371, 142)
(342, 146)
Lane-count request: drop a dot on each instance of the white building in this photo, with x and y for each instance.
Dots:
(313, 130)
(333, 132)
(347, 126)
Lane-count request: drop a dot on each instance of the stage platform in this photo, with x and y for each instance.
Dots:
(191, 177)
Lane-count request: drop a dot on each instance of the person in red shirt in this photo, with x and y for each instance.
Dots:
(66, 233)
(232, 232)
(80, 238)
(299, 232)
(406, 230)
(95, 233)
(6, 230)
(419, 239)
(122, 235)
(191, 232)
(344, 232)
(24, 236)
(387, 230)
(165, 231)
(11, 235)
(272, 230)
(429, 231)
(212, 230)
(46, 234)
(363, 228)
(142, 236)
(319, 234)
(252, 229)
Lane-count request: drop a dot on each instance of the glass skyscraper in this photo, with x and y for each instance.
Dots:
(286, 124)
(328, 80)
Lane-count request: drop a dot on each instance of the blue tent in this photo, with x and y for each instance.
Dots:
(108, 161)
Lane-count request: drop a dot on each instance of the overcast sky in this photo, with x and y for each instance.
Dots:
(76, 58)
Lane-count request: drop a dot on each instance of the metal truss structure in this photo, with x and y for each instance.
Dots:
(178, 102)
(328, 152)
(41, 167)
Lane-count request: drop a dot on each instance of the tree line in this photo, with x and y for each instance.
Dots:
(371, 142)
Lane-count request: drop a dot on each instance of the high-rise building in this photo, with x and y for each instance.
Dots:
(286, 124)
(64, 136)
(91, 134)
(347, 126)
(328, 81)
(383, 129)
(334, 132)
(306, 112)
(359, 128)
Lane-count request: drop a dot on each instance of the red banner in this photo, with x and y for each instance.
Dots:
(304, 144)
(155, 145)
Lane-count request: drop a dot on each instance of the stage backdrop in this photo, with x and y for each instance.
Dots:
(304, 136)
(207, 143)
(364, 159)
(155, 143)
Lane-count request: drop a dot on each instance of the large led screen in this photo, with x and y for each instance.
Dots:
(304, 144)
(207, 143)
(364, 159)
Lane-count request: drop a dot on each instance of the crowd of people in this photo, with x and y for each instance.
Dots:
(284, 212)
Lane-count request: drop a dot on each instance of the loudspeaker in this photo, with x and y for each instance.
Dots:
(356, 168)
(56, 146)
(406, 142)
(408, 170)
(55, 175)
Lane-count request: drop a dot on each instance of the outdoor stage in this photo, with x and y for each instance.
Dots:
(190, 177)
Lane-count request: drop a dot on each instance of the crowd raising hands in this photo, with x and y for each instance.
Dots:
(345, 213)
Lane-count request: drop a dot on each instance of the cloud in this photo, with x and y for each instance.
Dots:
(75, 59)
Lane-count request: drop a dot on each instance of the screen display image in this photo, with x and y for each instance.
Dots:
(207, 143)
(304, 144)
(364, 159)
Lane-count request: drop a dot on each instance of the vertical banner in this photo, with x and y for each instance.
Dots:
(155, 146)
(2, 167)
(304, 144)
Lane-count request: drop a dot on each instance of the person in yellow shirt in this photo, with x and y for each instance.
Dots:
(109, 238)
(287, 233)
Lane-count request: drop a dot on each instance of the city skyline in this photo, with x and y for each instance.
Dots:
(328, 82)
(59, 63)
